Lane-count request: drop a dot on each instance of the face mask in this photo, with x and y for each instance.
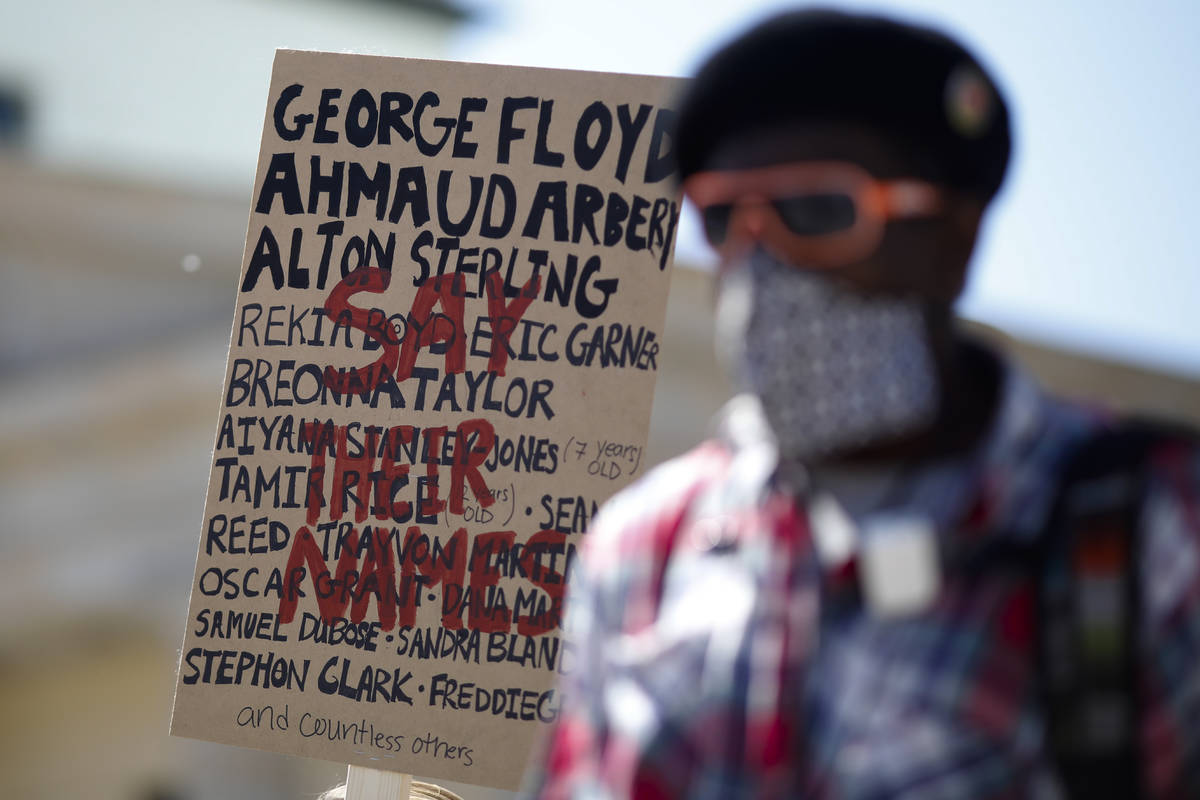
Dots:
(834, 371)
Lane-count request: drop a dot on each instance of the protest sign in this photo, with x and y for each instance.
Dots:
(442, 361)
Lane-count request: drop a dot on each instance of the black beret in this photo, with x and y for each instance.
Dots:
(913, 85)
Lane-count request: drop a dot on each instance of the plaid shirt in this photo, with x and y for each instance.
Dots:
(716, 660)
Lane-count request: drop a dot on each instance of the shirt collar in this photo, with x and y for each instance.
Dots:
(981, 490)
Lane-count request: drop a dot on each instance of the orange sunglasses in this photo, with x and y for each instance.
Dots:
(818, 213)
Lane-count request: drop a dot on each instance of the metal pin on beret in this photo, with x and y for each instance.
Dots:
(913, 85)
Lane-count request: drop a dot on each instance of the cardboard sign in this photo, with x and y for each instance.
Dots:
(442, 361)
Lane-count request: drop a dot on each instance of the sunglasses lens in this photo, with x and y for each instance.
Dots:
(716, 222)
(816, 214)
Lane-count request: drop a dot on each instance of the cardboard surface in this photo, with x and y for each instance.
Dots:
(442, 360)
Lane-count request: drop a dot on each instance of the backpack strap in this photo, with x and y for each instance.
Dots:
(1089, 599)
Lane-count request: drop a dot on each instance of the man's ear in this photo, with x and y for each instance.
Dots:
(963, 217)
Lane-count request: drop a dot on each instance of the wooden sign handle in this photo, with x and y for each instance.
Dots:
(364, 783)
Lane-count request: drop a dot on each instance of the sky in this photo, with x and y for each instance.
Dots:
(1091, 244)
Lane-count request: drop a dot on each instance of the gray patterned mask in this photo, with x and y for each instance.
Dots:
(834, 370)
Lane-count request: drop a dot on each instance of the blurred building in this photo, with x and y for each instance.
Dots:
(116, 297)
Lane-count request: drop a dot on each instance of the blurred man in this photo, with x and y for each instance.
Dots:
(900, 570)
